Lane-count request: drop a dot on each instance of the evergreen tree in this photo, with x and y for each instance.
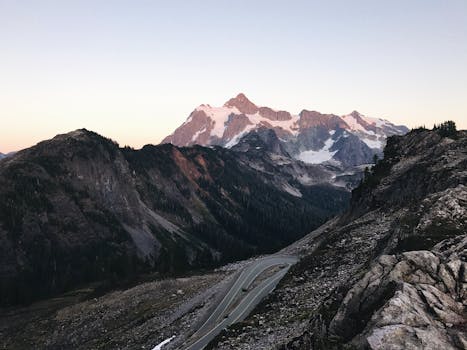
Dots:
(446, 129)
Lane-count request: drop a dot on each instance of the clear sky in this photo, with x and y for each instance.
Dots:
(133, 70)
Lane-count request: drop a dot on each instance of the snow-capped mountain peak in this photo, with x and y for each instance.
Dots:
(306, 136)
(356, 121)
(242, 103)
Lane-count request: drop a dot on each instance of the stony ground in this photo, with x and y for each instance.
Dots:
(137, 318)
(133, 318)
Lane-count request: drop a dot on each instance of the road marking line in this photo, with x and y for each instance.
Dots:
(259, 264)
(272, 281)
(220, 324)
(243, 271)
(249, 276)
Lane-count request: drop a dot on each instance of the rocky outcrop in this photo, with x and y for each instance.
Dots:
(415, 300)
(310, 119)
(261, 141)
(413, 168)
(273, 115)
(351, 150)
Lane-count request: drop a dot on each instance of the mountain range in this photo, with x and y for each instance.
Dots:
(3, 155)
(389, 272)
(78, 208)
(310, 136)
(367, 223)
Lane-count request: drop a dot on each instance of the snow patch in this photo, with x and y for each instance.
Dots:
(287, 125)
(195, 136)
(160, 345)
(373, 143)
(382, 124)
(376, 121)
(219, 115)
(234, 140)
(317, 157)
(353, 123)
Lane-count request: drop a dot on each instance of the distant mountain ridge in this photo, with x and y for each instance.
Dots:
(3, 155)
(310, 136)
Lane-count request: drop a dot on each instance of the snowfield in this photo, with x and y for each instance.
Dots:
(317, 157)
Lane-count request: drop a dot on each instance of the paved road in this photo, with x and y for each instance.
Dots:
(223, 316)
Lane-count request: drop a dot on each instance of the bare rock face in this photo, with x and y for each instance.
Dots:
(351, 150)
(243, 104)
(262, 141)
(271, 114)
(199, 121)
(235, 124)
(415, 300)
(309, 119)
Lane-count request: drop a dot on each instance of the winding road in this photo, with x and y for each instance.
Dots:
(240, 301)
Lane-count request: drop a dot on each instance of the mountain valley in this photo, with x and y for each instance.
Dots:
(389, 272)
(78, 209)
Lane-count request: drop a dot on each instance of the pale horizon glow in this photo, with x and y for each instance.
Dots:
(134, 70)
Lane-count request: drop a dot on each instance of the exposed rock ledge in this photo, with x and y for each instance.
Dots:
(415, 300)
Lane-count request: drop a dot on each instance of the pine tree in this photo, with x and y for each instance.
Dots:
(446, 129)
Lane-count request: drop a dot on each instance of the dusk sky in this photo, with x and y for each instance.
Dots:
(134, 70)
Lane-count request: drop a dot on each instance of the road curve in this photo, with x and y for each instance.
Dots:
(220, 318)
